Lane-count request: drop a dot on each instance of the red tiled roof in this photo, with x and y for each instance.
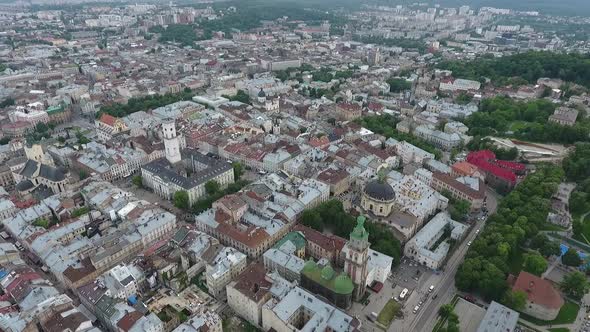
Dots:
(108, 119)
(539, 291)
(252, 283)
(349, 106)
(75, 274)
(333, 176)
(467, 190)
(127, 322)
(486, 161)
(255, 196)
(251, 237)
(464, 168)
(328, 242)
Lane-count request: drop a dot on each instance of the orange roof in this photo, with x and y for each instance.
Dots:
(465, 167)
(108, 119)
(539, 291)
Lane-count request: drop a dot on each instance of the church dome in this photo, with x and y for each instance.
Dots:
(261, 94)
(343, 284)
(380, 191)
(327, 272)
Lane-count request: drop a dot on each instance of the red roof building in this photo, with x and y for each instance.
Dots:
(543, 300)
(500, 174)
(321, 245)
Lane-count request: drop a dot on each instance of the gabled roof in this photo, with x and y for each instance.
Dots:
(538, 290)
(108, 119)
(50, 173)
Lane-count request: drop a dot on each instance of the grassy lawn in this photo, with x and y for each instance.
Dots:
(388, 312)
(559, 329)
(567, 314)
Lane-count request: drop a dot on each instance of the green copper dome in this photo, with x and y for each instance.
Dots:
(343, 284)
(310, 265)
(327, 272)
(359, 232)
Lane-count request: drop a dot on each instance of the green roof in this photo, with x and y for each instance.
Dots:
(359, 232)
(327, 272)
(296, 238)
(341, 284)
(54, 109)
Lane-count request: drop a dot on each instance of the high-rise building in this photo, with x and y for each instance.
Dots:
(355, 262)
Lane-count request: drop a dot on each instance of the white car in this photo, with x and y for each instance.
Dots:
(468, 243)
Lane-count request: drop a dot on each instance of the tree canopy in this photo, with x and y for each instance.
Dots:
(398, 84)
(145, 103)
(575, 284)
(545, 246)
(240, 96)
(519, 216)
(529, 66)
(506, 117)
(212, 187)
(515, 299)
(534, 263)
(406, 44)
(571, 258)
(181, 200)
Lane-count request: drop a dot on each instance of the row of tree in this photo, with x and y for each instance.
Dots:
(330, 216)
(529, 66)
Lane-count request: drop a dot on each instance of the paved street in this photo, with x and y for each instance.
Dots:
(444, 283)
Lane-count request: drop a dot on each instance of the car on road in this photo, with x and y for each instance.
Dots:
(416, 308)
(469, 298)
(468, 243)
(477, 231)
(372, 317)
(430, 289)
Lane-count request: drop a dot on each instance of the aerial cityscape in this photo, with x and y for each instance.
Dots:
(282, 165)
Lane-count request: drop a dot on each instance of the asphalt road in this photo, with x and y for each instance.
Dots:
(426, 317)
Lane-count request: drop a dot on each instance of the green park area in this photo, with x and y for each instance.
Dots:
(388, 312)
